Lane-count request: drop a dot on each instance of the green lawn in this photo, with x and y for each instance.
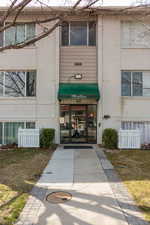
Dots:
(133, 166)
(19, 170)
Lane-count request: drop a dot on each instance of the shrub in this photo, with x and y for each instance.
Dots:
(110, 138)
(46, 137)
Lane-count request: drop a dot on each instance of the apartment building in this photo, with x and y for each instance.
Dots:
(91, 73)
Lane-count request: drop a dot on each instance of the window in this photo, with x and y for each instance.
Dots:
(135, 34)
(92, 33)
(9, 131)
(79, 33)
(30, 125)
(65, 34)
(1, 133)
(126, 83)
(14, 84)
(18, 83)
(135, 83)
(1, 38)
(17, 34)
(31, 83)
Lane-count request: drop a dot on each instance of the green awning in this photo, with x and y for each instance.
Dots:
(76, 91)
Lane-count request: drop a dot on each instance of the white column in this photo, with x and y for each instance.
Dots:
(100, 77)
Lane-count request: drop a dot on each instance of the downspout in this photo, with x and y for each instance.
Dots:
(102, 71)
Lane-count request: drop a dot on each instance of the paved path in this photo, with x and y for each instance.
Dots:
(85, 174)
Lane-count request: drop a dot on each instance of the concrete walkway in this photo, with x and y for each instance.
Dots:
(94, 201)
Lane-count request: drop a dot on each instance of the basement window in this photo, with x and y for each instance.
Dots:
(9, 131)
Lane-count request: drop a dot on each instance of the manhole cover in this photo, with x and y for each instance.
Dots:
(58, 197)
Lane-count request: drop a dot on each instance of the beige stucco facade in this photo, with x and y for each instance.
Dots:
(112, 59)
(44, 108)
(102, 64)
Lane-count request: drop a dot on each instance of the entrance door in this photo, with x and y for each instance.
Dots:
(78, 123)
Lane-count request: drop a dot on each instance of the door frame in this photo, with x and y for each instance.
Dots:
(86, 122)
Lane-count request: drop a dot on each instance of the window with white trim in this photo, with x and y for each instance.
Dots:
(9, 131)
(135, 83)
(135, 34)
(17, 83)
(17, 34)
(78, 33)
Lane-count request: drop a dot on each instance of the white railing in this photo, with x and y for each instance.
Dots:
(129, 139)
(28, 138)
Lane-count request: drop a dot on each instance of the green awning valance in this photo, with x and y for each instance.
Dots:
(78, 91)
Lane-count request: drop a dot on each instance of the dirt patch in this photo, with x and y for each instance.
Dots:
(135, 174)
(19, 170)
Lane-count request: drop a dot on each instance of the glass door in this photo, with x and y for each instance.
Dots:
(92, 123)
(78, 123)
(64, 123)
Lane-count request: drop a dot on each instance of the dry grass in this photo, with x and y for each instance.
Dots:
(133, 167)
(19, 170)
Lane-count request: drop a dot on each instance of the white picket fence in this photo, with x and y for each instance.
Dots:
(143, 126)
(28, 138)
(129, 139)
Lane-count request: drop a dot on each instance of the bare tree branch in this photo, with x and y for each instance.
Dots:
(90, 4)
(13, 14)
(25, 3)
(33, 40)
(16, 8)
(8, 11)
(76, 4)
(20, 7)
